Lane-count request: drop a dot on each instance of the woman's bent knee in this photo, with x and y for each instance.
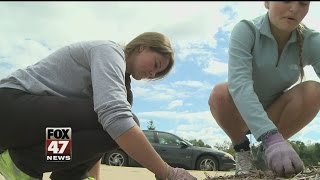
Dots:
(311, 93)
(219, 95)
(306, 94)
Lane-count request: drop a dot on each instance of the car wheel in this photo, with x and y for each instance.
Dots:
(117, 158)
(207, 163)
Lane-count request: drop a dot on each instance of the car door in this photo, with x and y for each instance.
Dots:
(170, 149)
(150, 136)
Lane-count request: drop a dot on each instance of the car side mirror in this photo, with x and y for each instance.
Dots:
(183, 144)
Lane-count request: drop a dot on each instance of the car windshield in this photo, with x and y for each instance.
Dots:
(189, 143)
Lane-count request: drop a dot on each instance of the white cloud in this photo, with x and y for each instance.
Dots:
(193, 84)
(4, 72)
(216, 68)
(200, 125)
(312, 18)
(244, 10)
(195, 52)
(174, 104)
(196, 117)
(64, 22)
(309, 132)
(191, 26)
(168, 92)
(20, 54)
(157, 91)
(60, 23)
(210, 135)
(23, 52)
(310, 74)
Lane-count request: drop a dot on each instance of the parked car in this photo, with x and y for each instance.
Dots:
(177, 153)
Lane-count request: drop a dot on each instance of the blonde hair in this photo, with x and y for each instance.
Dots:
(157, 42)
(300, 35)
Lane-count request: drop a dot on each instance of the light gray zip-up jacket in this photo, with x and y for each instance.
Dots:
(91, 69)
(257, 77)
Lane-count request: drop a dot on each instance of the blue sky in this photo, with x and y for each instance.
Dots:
(199, 33)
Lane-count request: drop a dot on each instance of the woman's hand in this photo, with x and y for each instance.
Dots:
(281, 158)
(177, 174)
(137, 146)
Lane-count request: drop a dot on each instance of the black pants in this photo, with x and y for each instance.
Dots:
(23, 120)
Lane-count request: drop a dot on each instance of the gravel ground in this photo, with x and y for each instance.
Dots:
(310, 173)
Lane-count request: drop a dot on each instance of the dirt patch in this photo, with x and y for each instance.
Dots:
(310, 173)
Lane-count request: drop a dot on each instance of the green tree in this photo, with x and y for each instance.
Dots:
(316, 151)
(151, 125)
(309, 154)
(199, 143)
(226, 146)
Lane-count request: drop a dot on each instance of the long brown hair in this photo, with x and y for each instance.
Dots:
(300, 35)
(156, 42)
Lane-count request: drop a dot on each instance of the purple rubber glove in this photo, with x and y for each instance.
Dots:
(178, 174)
(281, 158)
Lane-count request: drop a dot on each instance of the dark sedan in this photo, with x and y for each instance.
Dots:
(176, 152)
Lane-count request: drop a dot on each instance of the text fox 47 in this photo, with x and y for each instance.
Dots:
(58, 144)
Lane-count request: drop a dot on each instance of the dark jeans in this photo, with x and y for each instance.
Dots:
(23, 120)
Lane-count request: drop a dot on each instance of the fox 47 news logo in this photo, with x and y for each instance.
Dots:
(58, 144)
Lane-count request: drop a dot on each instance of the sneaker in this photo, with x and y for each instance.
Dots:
(9, 170)
(244, 163)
